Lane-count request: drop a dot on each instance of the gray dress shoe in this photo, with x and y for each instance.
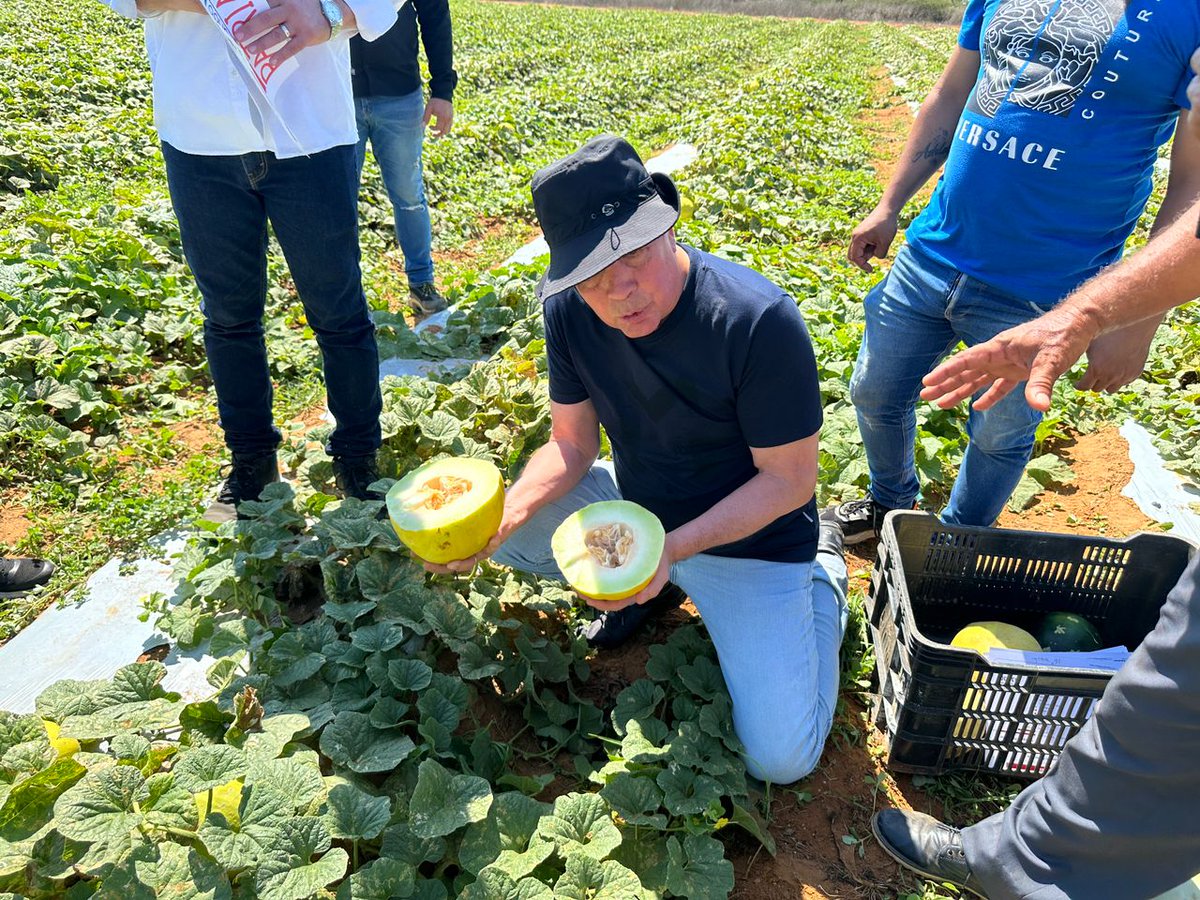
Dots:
(930, 848)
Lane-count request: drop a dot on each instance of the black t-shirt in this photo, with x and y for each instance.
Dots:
(731, 367)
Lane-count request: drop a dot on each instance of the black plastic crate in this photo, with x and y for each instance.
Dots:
(948, 708)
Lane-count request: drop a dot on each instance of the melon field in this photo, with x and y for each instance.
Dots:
(373, 731)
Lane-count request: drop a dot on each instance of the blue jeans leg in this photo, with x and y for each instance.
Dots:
(313, 207)
(223, 225)
(1000, 440)
(777, 628)
(906, 333)
(223, 204)
(914, 317)
(395, 128)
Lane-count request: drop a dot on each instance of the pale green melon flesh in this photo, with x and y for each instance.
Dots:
(609, 550)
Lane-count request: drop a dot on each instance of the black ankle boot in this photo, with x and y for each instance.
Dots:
(611, 629)
(354, 476)
(248, 475)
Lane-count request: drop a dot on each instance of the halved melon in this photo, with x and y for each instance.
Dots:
(985, 636)
(609, 550)
(447, 509)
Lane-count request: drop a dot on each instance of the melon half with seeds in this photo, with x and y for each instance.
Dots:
(609, 550)
(447, 509)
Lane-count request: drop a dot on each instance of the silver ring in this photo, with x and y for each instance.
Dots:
(287, 32)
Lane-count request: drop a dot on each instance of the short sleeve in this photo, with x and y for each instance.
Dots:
(970, 34)
(565, 384)
(778, 397)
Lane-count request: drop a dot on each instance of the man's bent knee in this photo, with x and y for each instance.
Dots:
(782, 764)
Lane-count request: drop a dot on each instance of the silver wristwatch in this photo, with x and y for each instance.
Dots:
(333, 15)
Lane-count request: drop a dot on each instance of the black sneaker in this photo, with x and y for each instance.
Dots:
(248, 475)
(425, 300)
(22, 574)
(354, 476)
(860, 520)
(928, 847)
(611, 629)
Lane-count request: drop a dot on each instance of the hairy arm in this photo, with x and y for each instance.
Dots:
(1164, 274)
(552, 470)
(1119, 356)
(786, 480)
(924, 153)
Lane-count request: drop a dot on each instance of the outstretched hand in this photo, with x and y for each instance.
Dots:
(1038, 352)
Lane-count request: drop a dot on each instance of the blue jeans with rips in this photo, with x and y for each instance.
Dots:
(777, 627)
(395, 128)
(915, 316)
(223, 204)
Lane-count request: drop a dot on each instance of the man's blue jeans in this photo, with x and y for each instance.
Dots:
(777, 627)
(395, 128)
(915, 316)
(223, 204)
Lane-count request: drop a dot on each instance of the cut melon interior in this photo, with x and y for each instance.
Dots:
(609, 550)
(447, 509)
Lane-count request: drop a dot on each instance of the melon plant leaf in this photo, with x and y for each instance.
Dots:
(347, 613)
(378, 637)
(637, 747)
(749, 820)
(409, 674)
(450, 619)
(135, 682)
(434, 705)
(406, 605)
(167, 804)
(66, 698)
(703, 678)
(180, 872)
(129, 746)
(353, 814)
(695, 749)
(443, 802)
(587, 878)
(581, 823)
(648, 857)
(475, 663)
(262, 814)
(639, 700)
(30, 803)
(225, 671)
(15, 729)
(204, 722)
(27, 758)
(299, 781)
(382, 574)
(14, 857)
(664, 662)
(281, 878)
(687, 793)
(716, 720)
(698, 868)
(440, 427)
(207, 767)
(509, 825)
(101, 809)
(380, 879)
(494, 884)
(388, 712)
(400, 842)
(518, 864)
(351, 741)
(638, 800)
(275, 732)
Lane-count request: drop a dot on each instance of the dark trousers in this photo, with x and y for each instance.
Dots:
(223, 204)
(1117, 816)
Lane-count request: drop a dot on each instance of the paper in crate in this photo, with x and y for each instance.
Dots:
(1109, 659)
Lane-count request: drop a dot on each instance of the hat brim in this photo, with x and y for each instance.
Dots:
(595, 250)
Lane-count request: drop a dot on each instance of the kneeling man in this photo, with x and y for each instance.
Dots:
(703, 376)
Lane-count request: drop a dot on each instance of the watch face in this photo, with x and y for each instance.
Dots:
(333, 14)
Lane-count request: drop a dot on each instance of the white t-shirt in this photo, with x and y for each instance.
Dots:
(203, 102)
